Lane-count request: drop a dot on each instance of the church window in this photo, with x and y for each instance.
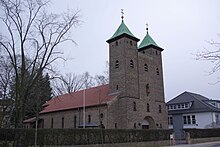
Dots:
(160, 109)
(116, 125)
(89, 118)
(145, 67)
(75, 119)
(135, 125)
(116, 64)
(147, 89)
(148, 107)
(116, 43)
(101, 115)
(134, 106)
(131, 63)
(116, 87)
(131, 43)
(62, 122)
(157, 70)
(51, 122)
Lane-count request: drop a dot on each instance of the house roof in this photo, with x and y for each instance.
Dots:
(199, 103)
(148, 42)
(93, 97)
(122, 31)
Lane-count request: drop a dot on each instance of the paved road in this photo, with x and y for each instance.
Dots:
(207, 144)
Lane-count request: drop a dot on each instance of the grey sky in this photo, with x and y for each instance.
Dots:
(181, 27)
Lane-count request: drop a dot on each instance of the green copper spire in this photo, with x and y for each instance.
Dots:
(147, 41)
(122, 31)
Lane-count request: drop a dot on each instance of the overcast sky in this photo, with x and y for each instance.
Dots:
(181, 27)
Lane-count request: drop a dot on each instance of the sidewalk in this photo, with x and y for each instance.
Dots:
(207, 144)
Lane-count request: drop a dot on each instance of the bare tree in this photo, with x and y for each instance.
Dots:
(71, 83)
(32, 33)
(103, 78)
(212, 54)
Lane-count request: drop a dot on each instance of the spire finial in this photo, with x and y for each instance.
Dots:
(147, 27)
(122, 14)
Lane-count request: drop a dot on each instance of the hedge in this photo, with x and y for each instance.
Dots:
(81, 136)
(203, 133)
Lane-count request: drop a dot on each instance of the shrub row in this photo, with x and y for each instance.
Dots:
(81, 136)
(203, 133)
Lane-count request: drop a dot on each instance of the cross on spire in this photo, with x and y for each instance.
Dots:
(122, 14)
(147, 27)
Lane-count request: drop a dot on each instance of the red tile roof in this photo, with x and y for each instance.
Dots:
(93, 96)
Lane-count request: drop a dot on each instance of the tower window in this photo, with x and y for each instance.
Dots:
(157, 71)
(145, 67)
(156, 53)
(131, 63)
(116, 87)
(147, 89)
(75, 119)
(134, 106)
(143, 52)
(62, 122)
(116, 64)
(148, 107)
(116, 43)
(131, 43)
(89, 118)
(160, 109)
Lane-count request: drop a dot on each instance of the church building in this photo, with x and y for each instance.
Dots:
(133, 99)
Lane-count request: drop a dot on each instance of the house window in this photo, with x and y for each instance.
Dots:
(188, 119)
(157, 71)
(184, 120)
(193, 119)
(75, 119)
(62, 122)
(116, 64)
(147, 89)
(148, 107)
(131, 63)
(134, 106)
(160, 109)
(51, 122)
(116, 125)
(89, 118)
(170, 120)
(145, 67)
(116, 43)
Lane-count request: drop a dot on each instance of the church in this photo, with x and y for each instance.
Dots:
(133, 99)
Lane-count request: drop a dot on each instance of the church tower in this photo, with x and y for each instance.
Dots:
(135, 72)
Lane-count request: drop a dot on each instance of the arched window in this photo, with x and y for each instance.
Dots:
(89, 118)
(116, 43)
(148, 107)
(131, 43)
(62, 122)
(116, 64)
(134, 106)
(160, 109)
(147, 89)
(135, 126)
(75, 119)
(157, 70)
(131, 63)
(145, 67)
